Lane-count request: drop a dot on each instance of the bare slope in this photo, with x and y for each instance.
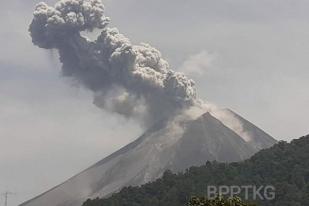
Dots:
(174, 145)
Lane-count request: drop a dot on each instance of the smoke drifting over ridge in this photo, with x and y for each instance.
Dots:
(131, 80)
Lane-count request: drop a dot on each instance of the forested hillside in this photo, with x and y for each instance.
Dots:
(284, 166)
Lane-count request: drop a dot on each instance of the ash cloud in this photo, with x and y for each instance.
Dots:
(131, 80)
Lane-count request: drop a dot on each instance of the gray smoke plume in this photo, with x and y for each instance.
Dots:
(131, 80)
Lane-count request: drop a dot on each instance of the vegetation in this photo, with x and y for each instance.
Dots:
(219, 201)
(284, 166)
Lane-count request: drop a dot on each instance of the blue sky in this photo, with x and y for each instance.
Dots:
(252, 57)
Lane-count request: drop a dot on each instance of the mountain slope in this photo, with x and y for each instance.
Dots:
(175, 145)
(284, 166)
(208, 139)
(253, 135)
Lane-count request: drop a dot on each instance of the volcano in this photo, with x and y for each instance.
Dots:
(169, 145)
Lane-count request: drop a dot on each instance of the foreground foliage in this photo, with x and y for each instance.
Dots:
(202, 201)
(285, 166)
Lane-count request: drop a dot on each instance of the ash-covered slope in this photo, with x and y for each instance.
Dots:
(206, 138)
(253, 135)
(174, 145)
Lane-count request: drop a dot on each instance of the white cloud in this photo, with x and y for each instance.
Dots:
(198, 64)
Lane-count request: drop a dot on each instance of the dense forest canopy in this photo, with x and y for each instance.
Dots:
(218, 201)
(285, 166)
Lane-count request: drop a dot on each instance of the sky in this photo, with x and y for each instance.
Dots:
(247, 55)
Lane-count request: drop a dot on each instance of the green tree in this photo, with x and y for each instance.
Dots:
(218, 201)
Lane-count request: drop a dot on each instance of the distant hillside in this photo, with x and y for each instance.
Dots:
(285, 166)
